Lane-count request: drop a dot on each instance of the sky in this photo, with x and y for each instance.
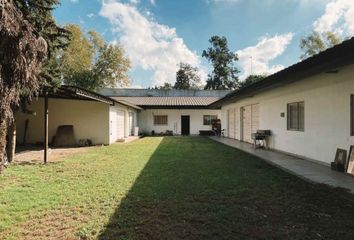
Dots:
(159, 34)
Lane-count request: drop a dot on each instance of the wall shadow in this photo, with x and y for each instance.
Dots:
(194, 188)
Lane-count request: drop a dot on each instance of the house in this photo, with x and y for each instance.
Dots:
(182, 112)
(116, 114)
(93, 116)
(309, 107)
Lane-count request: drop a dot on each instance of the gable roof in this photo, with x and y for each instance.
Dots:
(327, 61)
(169, 102)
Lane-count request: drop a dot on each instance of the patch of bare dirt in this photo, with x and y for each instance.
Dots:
(36, 155)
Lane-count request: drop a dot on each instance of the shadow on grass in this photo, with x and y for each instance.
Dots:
(194, 188)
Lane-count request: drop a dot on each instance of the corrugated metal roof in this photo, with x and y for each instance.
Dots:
(169, 101)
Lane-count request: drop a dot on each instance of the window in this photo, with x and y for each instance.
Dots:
(296, 116)
(160, 120)
(208, 119)
(352, 114)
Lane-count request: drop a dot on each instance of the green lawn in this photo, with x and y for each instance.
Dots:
(168, 188)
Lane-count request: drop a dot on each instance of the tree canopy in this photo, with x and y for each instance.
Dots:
(39, 14)
(24, 47)
(91, 63)
(187, 77)
(224, 75)
(250, 80)
(317, 42)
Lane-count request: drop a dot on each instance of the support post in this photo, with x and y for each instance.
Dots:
(46, 128)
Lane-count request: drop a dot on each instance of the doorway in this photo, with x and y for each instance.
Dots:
(185, 123)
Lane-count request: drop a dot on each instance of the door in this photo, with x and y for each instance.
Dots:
(120, 123)
(237, 123)
(247, 124)
(185, 125)
(250, 121)
(231, 124)
(131, 124)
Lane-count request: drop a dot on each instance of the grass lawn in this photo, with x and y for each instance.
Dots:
(168, 188)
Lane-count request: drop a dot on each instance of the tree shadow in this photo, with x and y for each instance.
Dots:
(194, 188)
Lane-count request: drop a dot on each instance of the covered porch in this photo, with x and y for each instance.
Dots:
(85, 112)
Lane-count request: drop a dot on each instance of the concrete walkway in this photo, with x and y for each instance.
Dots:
(305, 169)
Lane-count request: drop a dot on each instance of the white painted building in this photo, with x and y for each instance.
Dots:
(181, 112)
(93, 116)
(308, 107)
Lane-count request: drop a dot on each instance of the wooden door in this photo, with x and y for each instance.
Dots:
(131, 123)
(247, 124)
(185, 125)
(231, 124)
(120, 124)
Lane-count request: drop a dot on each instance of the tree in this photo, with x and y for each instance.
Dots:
(165, 86)
(39, 14)
(251, 79)
(91, 63)
(187, 77)
(23, 50)
(224, 75)
(317, 42)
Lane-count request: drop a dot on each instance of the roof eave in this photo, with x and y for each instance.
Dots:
(327, 61)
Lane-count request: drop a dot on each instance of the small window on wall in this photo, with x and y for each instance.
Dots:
(296, 116)
(160, 120)
(208, 119)
(352, 114)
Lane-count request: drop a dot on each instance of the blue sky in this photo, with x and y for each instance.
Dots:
(158, 34)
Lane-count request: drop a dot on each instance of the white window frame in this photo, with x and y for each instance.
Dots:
(209, 119)
(300, 122)
(158, 123)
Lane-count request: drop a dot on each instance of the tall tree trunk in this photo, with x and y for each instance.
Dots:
(12, 141)
(3, 130)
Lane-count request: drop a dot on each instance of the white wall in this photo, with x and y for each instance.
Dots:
(327, 115)
(146, 120)
(89, 118)
(113, 128)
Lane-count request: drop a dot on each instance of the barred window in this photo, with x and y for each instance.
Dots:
(296, 116)
(208, 119)
(160, 120)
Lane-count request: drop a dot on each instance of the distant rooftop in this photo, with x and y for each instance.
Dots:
(169, 99)
(127, 92)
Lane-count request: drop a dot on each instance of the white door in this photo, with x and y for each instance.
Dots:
(237, 123)
(250, 121)
(120, 122)
(255, 118)
(131, 124)
(231, 124)
(247, 124)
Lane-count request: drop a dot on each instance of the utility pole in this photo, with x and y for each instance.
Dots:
(251, 65)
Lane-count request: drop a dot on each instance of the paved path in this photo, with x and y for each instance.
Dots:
(305, 169)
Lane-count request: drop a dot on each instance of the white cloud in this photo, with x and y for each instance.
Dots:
(223, 1)
(338, 16)
(149, 45)
(90, 15)
(135, 2)
(256, 59)
(74, 1)
(153, 2)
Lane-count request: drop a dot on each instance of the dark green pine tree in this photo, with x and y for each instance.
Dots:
(39, 14)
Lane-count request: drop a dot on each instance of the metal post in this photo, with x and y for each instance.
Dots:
(46, 127)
